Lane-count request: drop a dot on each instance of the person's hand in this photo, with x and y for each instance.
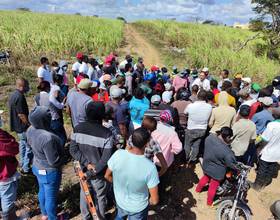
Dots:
(91, 167)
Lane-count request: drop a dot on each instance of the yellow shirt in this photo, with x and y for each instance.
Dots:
(231, 100)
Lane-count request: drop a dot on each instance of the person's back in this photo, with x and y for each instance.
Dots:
(217, 157)
(223, 115)
(181, 105)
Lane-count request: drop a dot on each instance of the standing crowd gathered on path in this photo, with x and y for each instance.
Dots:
(129, 123)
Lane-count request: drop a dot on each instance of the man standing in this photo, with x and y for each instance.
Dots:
(202, 82)
(224, 77)
(43, 73)
(135, 178)
(19, 122)
(198, 116)
(92, 145)
(78, 100)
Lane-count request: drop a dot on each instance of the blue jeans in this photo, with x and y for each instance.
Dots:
(8, 196)
(48, 190)
(58, 129)
(122, 214)
(25, 152)
(99, 188)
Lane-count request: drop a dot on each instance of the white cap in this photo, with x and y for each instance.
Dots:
(94, 84)
(168, 86)
(205, 69)
(155, 99)
(267, 101)
(167, 96)
(116, 92)
(247, 80)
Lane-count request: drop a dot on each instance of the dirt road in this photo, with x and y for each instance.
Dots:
(137, 45)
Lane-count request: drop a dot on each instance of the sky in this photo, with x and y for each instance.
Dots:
(223, 11)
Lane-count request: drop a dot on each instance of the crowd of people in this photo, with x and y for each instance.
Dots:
(129, 123)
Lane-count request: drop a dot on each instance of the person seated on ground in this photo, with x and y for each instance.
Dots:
(233, 91)
(9, 176)
(223, 115)
(181, 103)
(76, 65)
(224, 76)
(270, 154)
(202, 82)
(77, 101)
(92, 145)
(43, 72)
(227, 87)
(49, 156)
(42, 98)
(216, 159)
(210, 98)
(262, 118)
(167, 138)
(119, 115)
(255, 89)
(140, 177)
(198, 114)
(214, 86)
(244, 133)
(180, 81)
(246, 99)
(153, 149)
(138, 105)
(194, 93)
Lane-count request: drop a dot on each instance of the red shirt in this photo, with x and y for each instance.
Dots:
(8, 151)
(101, 97)
(215, 91)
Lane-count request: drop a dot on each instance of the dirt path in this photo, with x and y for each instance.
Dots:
(137, 45)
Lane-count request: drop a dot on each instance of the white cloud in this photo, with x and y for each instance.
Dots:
(227, 12)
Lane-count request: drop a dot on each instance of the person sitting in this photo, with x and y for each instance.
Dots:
(223, 115)
(194, 93)
(180, 81)
(202, 82)
(214, 86)
(224, 77)
(132, 169)
(217, 158)
(227, 87)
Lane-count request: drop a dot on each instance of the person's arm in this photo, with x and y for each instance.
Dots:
(52, 154)
(154, 198)
(20, 111)
(211, 120)
(163, 164)
(76, 153)
(23, 119)
(176, 147)
(109, 175)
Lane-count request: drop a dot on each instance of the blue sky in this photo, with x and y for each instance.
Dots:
(225, 11)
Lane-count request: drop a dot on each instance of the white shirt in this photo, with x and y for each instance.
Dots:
(205, 84)
(83, 68)
(45, 74)
(198, 113)
(221, 83)
(76, 66)
(271, 152)
(122, 64)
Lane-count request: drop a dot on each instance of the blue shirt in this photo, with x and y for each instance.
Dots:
(261, 119)
(133, 176)
(137, 109)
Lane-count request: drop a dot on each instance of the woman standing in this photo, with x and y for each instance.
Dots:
(48, 160)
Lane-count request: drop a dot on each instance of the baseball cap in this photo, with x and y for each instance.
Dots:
(267, 101)
(167, 96)
(247, 80)
(154, 68)
(155, 99)
(165, 116)
(116, 92)
(85, 84)
(79, 55)
(205, 69)
(168, 86)
(256, 87)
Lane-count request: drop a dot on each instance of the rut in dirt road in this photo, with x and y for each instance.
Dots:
(137, 44)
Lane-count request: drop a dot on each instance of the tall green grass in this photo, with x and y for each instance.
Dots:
(211, 46)
(30, 35)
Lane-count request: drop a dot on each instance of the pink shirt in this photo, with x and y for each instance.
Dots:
(169, 142)
(179, 82)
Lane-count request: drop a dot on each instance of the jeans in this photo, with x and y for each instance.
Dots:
(25, 152)
(8, 196)
(193, 140)
(122, 214)
(99, 188)
(213, 186)
(58, 129)
(48, 190)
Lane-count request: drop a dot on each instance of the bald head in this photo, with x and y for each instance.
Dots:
(22, 85)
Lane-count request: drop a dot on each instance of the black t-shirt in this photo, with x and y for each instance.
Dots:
(17, 105)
